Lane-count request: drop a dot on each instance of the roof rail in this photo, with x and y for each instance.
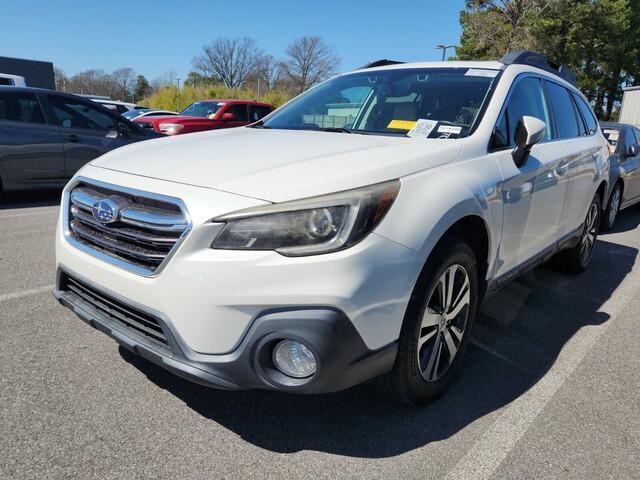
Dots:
(538, 60)
(380, 63)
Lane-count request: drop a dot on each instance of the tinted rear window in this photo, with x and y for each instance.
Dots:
(20, 107)
(587, 114)
(564, 113)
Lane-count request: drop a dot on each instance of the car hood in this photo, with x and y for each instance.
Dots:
(279, 165)
(171, 119)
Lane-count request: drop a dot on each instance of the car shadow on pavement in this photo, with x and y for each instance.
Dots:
(517, 337)
(628, 219)
(30, 198)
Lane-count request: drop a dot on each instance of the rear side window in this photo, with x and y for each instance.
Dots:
(258, 112)
(6, 81)
(239, 112)
(20, 107)
(527, 98)
(564, 113)
(587, 114)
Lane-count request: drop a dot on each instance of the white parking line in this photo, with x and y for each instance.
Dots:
(29, 214)
(25, 293)
(486, 455)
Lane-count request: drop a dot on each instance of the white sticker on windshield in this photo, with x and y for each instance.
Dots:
(450, 129)
(422, 129)
(479, 72)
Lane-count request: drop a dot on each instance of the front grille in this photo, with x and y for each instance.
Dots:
(116, 311)
(147, 125)
(144, 231)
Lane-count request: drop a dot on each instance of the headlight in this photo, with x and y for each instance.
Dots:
(170, 128)
(310, 226)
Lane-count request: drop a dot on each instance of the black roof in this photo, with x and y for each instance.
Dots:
(535, 59)
(6, 88)
(380, 63)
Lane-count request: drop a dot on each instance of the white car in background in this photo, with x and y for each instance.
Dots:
(350, 234)
(8, 80)
(148, 112)
(115, 105)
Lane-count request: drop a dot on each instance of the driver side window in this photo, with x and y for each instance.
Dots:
(527, 98)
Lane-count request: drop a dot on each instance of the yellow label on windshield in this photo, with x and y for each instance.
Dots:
(402, 124)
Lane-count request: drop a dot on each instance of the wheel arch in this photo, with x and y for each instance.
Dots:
(603, 191)
(473, 230)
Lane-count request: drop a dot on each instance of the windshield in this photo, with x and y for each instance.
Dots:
(202, 109)
(441, 103)
(611, 134)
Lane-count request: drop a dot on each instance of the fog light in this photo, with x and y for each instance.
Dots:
(294, 359)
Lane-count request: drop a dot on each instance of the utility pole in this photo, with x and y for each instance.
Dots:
(444, 49)
(178, 91)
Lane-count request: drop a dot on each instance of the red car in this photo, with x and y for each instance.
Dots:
(208, 115)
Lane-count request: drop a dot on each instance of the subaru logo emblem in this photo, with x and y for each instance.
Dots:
(106, 211)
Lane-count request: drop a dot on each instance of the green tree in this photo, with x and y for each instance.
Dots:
(142, 88)
(598, 39)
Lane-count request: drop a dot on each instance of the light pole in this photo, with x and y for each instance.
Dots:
(444, 49)
(178, 91)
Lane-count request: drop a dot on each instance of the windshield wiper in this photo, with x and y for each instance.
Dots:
(259, 124)
(337, 129)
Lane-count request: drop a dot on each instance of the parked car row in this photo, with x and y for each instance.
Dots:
(351, 234)
(47, 136)
(207, 115)
(624, 169)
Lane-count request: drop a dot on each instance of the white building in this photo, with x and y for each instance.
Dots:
(630, 110)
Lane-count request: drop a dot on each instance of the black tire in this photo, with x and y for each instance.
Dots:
(613, 207)
(406, 382)
(577, 258)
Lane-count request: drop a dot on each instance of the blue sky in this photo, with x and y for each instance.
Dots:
(155, 37)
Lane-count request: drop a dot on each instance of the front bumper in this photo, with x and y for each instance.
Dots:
(343, 359)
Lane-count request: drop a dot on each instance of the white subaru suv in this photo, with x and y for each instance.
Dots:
(351, 234)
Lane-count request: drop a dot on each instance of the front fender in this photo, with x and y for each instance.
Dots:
(431, 202)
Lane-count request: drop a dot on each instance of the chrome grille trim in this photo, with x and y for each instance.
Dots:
(149, 229)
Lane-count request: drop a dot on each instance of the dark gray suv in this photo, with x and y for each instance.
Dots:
(46, 136)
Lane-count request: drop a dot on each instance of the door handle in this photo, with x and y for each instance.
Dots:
(562, 168)
(73, 138)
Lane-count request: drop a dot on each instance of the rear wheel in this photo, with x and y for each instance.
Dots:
(576, 259)
(613, 207)
(436, 328)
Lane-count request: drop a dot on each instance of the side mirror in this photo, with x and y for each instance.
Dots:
(228, 116)
(633, 150)
(529, 131)
(123, 130)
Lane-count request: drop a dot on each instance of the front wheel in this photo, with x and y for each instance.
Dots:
(436, 328)
(577, 258)
(613, 207)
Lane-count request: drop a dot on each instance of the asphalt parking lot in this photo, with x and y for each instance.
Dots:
(549, 389)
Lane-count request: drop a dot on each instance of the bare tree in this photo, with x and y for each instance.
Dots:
(124, 79)
(269, 70)
(231, 60)
(61, 79)
(92, 82)
(310, 61)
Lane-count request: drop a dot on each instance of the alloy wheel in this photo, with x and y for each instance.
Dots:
(590, 232)
(444, 323)
(614, 206)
